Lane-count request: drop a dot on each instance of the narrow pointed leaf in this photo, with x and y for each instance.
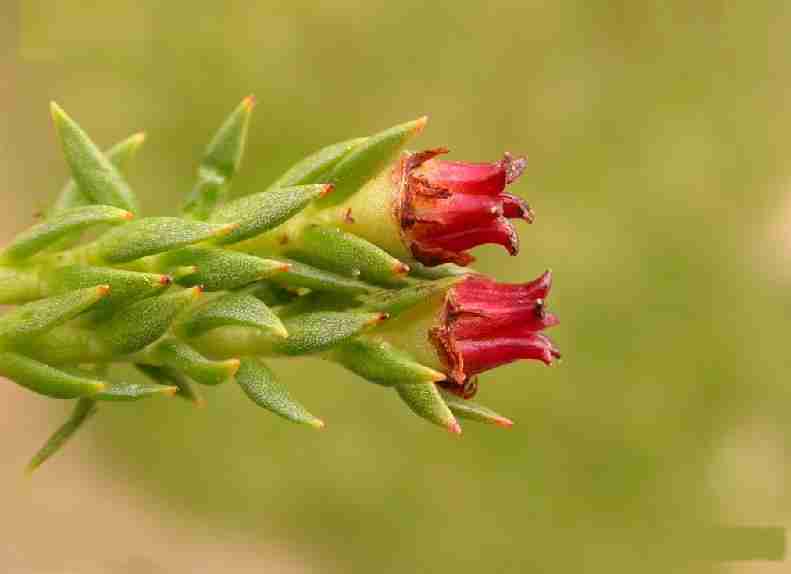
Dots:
(220, 269)
(140, 324)
(344, 253)
(367, 160)
(425, 401)
(83, 410)
(316, 166)
(119, 155)
(93, 172)
(168, 377)
(316, 332)
(438, 272)
(263, 211)
(65, 224)
(259, 384)
(381, 363)
(301, 275)
(232, 309)
(465, 409)
(181, 357)
(125, 392)
(220, 162)
(150, 236)
(125, 286)
(30, 320)
(19, 285)
(46, 380)
(270, 294)
(395, 301)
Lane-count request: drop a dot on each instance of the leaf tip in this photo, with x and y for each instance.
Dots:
(233, 366)
(317, 424)
(249, 103)
(165, 280)
(419, 124)
(503, 422)
(328, 188)
(454, 427)
(102, 290)
(400, 268)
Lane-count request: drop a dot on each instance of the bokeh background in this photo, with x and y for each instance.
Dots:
(658, 137)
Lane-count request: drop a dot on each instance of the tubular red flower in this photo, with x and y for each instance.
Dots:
(484, 324)
(448, 207)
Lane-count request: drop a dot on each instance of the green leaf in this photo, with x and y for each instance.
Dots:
(395, 301)
(259, 384)
(125, 392)
(179, 356)
(125, 286)
(344, 253)
(263, 211)
(150, 236)
(46, 380)
(140, 324)
(93, 172)
(66, 223)
(316, 332)
(367, 160)
(119, 155)
(271, 294)
(425, 401)
(22, 324)
(232, 309)
(19, 285)
(168, 377)
(301, 275)
(83, 410)
(465, 409)
(220, 162)
(220, 269)
(444, 271)
(381, 363)
(316, 166)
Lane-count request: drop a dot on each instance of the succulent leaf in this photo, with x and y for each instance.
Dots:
(232, 309)
(344, 253)
(368, 159)
(83, 410)
(61, 226)
(219, 269)
(179, 356)
(379, 362)
(150, 236)
(24, 323)
(220, 162)
(315, 167)
(93, 172)
(119, 155)
(260, 212)
(259, 384)
(168, 377)
(425, 401)
(140, 324)
(466, 409)
(45, 379)
(315, 332)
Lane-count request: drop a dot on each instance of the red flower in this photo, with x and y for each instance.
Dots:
(484, 324)
(449, 207)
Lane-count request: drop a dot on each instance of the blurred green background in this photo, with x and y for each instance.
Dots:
(658, 137)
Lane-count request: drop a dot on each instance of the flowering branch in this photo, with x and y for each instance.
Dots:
(353, 255)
